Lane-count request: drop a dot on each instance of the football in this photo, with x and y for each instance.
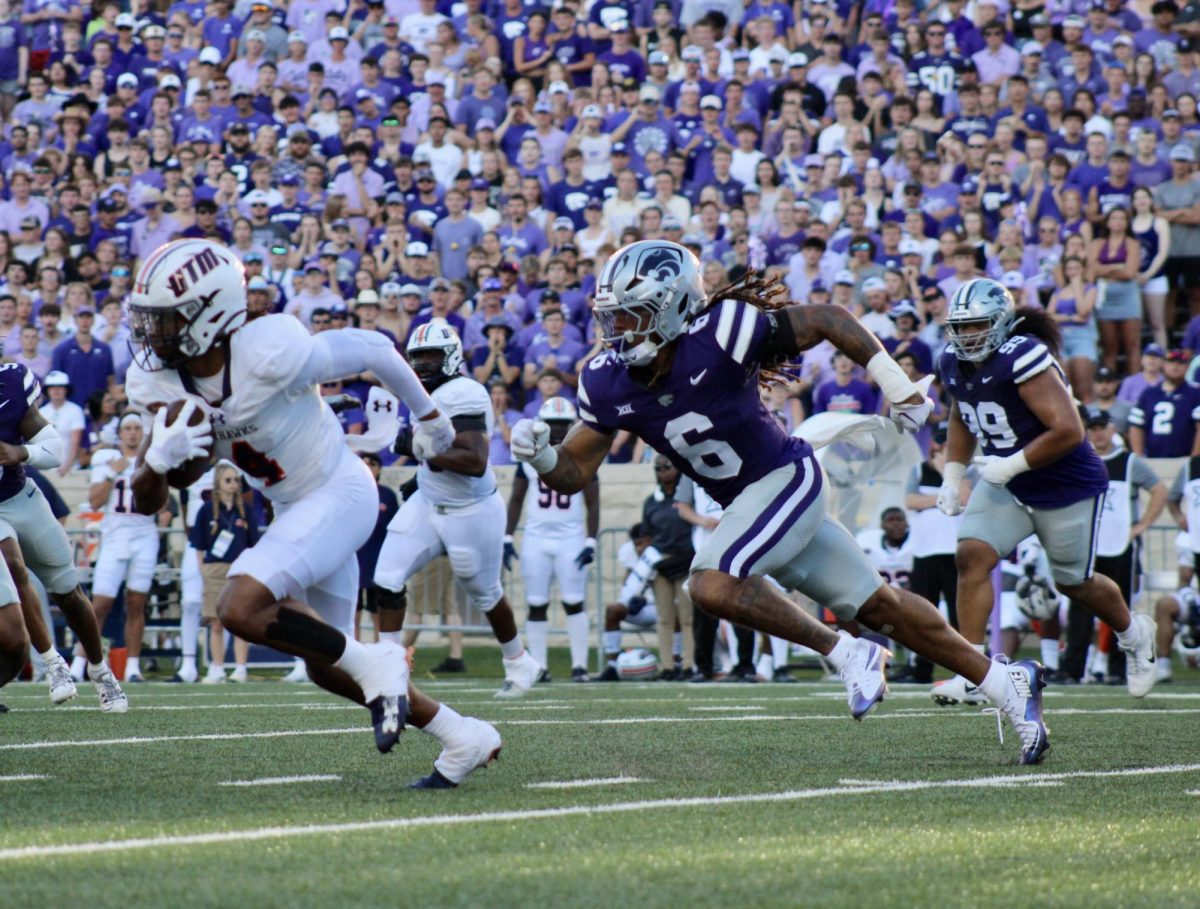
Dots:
(192, 470)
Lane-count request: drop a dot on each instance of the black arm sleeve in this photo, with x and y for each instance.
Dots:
(779, 343)
(470, 422)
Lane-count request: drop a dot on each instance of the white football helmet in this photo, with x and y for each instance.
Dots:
(436, 334)
(637, 664)
(560, 409)
(189, 295)
(979, 319)
(1187, 640)
(658, 284)
(1035, 598)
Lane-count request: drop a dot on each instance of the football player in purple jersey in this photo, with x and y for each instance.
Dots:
(682, 371)
(1041, 475)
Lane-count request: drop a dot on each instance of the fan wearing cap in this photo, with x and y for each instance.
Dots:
(1165, 420)
(155, 228)
(645, 129)
(568, 36)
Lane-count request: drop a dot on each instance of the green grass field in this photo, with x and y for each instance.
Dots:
(667, 795)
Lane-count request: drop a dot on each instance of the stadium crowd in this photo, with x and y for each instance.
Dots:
(383, 163)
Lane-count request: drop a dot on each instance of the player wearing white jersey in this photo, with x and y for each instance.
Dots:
(256, 386)
(890, 547)
(128, 540)
(555, 545)
(456, 510)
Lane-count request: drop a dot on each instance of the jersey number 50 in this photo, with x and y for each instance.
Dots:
(710, 458)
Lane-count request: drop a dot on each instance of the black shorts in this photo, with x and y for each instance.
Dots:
(368, 598)
(1182, 271)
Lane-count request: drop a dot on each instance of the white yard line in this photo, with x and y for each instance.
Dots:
(583, 784)
(729, 707)
(284, 780)
(265, 833)
(153, 739)
(23, 777)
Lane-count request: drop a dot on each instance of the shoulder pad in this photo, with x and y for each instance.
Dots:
(461, 395)
(733, 326)
(277, 346)
(1024, 358)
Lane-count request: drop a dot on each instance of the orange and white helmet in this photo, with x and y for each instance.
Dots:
(188, 296)
(557, 410)
(436, 334)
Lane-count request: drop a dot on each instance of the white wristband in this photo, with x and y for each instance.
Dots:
(953, 473)
(589, 543)
(545, 460)
(887, 374)
(508, 538)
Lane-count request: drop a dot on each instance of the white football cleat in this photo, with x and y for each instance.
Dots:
(476, 744)
(1022, 705)
(188, 673)
(62, 686)
(239, 674)
(214, 676)
(956, 691)
(863, 674)
(1140, 670)
(112, 698)
(519, 676)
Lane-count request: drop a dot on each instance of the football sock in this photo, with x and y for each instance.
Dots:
(841, 650)
(77, 666)
(577, 636)
(612, 641)
(996, 683)
(52, 656)
(677, 644)
(536, 634)
(1127, 638)
(394, 637)
(512, 649)
(189, 630)
(355, 660)
(132, 667)
(95, 670)
(779, 652)
(1050, 653)
(444, 724)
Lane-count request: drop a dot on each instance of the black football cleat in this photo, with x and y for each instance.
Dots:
(3, 709)
(387, 716)
(579, 674)
(434, 781)
(450, 664)
(609, 674)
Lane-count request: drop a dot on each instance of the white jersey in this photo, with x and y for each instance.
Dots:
(118, 510)
(894, 563)
(549, 513)
(459, 397)
(268, 419)
(195, 497)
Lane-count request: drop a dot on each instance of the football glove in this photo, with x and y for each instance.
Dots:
(432, 437)
(171, 446)
(404, 442)
(911, 417)
(510, 552)
(635, 605)
(587, 555)
(949, 498)
(408, 488)
(530, 442)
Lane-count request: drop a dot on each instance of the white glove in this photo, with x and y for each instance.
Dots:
(432, 437)
(999, 471)
(171, 445)
(530, 442)
(949, 496)
(912, 417)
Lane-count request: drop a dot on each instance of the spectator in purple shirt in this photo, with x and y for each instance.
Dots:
(844, 393)
(519, 236)
(552, 349)
(1151, 374)
(87, 362)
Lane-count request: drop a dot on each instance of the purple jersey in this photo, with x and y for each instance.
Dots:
(19, 391)
(856, 396)
(989, 401)
(705, 414)
(1168, 419)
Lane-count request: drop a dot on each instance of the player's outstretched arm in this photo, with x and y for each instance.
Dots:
(567, 467)
(43, 448)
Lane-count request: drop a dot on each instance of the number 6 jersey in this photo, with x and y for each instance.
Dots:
(990, 403)
(705, 414)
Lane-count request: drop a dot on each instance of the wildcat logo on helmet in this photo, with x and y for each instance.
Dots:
(193, 270)
(659, 263)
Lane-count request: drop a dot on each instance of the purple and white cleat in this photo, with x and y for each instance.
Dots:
(864, 675)
(1023, 707)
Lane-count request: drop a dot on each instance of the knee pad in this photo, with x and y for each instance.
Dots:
(538, 613)
(464, 562)
(572, 608)
(391, 599)
(487, 600)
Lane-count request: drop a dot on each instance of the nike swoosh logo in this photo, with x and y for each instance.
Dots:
(29, 495)
(987, 379)
(695, 380)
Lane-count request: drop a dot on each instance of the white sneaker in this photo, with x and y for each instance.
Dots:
(863, 674)
(1163, 671)
(1140, 671)
(476, 745)
(239, 674)
(188, 673)
(519, 676)
(112, 698)
(298, 674)
(214, 676)
(62, 686)
(956, 691)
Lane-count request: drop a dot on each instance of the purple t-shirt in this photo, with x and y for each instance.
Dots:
(854, 397)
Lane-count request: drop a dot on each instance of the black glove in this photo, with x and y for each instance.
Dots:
(403, 443)
(408, 488)
(510, 553)
(636, 605)
(339, 403)
(586, 556)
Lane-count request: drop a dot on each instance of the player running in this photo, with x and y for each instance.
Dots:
(555, 546)
(682, 372)
(256, 384)
(1042, 476)
(457, 509)
(31, 539)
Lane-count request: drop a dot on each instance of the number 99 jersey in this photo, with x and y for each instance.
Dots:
(990, 403)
